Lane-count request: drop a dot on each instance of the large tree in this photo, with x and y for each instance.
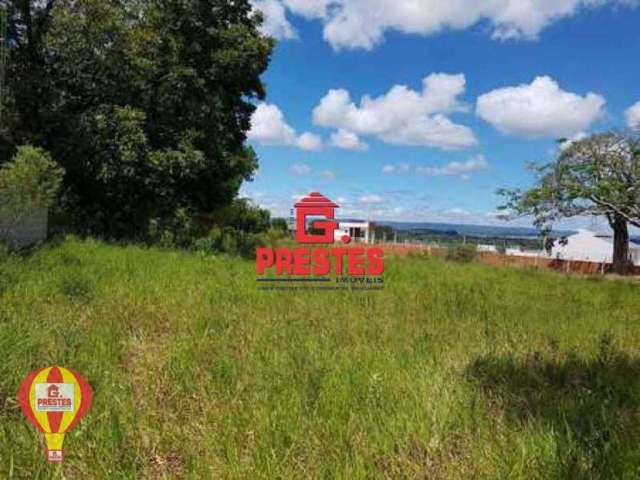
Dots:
(597, 176)
(26, 95)
(145, 103)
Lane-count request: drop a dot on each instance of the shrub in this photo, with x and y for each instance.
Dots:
(229, 240)
(279, 224)
(235, 242)
(29, 182)
(245, 229)
(179, 231)
(242, 215)
(462, 253)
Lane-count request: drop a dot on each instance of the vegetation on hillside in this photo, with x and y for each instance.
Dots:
(453, 371)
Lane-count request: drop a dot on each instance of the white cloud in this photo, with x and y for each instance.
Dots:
(347, 140)
(370, 199)
(275, 20)
(350, 24)
(402, 116)
(633, 116)
(309, 141)
(540, 109)
(308, 8)
(437, 131)
(328, 174)
(300, 169)
(570, 141)
(399, 168)
(457, 211)
(268, 127)
(463, 169)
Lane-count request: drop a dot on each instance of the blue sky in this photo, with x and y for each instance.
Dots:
(500, 88)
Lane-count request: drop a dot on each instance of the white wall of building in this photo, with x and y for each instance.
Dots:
(587, 246)
(516, 252)
(345, 228)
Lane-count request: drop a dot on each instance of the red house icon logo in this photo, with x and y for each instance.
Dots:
(318, 212)
(316, 205)
(53, 391)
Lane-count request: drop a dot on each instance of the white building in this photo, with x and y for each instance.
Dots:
(518, 252)
(588, 246)
(487, 249)
(360, 231)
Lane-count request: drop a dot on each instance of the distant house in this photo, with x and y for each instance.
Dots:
(588, 246)
(487, 248)
(518, 252)
(27, 231)
(360, 231)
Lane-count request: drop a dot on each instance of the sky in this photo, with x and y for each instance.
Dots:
(420, 110)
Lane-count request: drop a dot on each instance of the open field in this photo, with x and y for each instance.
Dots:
(453, 371)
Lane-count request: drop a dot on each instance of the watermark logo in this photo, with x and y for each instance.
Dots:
(54, 399)
(312, 206)
(317, 261)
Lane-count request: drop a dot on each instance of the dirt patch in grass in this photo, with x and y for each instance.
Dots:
(167, 465)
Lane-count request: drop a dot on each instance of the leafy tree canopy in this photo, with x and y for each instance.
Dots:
(596, 176)
(145, 103)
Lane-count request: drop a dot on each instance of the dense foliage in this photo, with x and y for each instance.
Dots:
(462, 253)
(145, 103)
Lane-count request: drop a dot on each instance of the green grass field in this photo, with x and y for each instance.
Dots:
(453, 371)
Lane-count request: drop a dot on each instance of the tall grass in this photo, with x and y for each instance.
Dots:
(453, 371)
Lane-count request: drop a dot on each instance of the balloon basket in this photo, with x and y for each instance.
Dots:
(55, 455)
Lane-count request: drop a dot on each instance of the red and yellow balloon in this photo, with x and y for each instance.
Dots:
(54, 399)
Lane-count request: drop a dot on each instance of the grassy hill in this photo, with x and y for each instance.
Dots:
(453, 371)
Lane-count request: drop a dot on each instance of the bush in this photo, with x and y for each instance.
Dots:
(245, 229)
(235, 242)
(180, 231)
(462, 253)
(279, 224)
(29, 182)
(242, 215)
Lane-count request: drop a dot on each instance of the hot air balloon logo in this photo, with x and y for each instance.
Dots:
(54, 399)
